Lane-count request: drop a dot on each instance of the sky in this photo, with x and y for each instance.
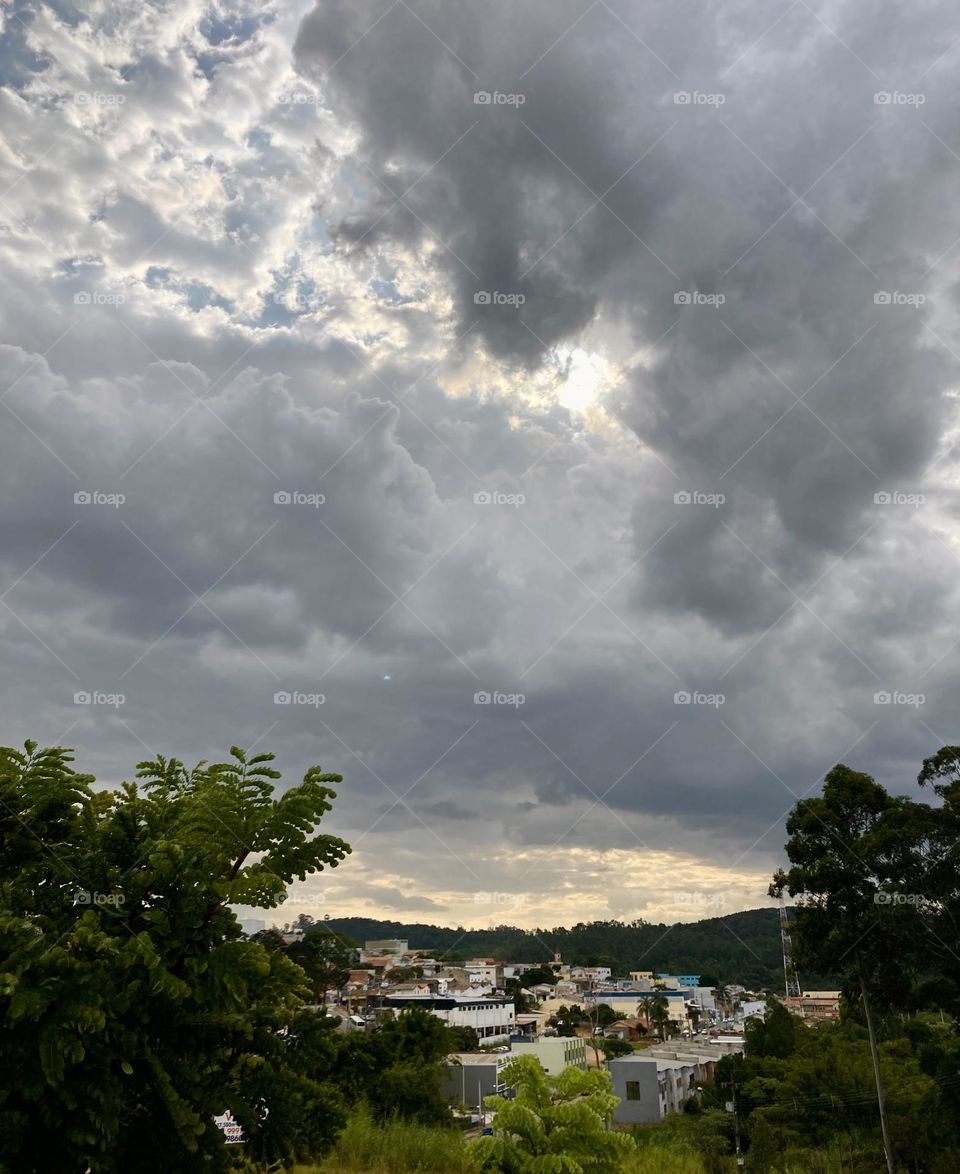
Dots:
(541, 414)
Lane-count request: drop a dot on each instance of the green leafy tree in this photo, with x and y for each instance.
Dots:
(606, 1016)
(855, 852)
(133, 1008)
(326, 957)
(657, 1014)
(553, 1125)
(398, 1070)
(565, 1020)
(612, 1048)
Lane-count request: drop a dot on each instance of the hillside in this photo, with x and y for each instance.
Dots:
(741, 947)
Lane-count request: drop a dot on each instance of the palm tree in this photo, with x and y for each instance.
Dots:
(658, 1014)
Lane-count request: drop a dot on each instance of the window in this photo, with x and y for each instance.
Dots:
(633, 1090)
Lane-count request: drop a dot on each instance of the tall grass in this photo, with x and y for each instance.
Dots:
(398, 1147)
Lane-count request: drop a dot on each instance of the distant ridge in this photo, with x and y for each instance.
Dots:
(738, 948)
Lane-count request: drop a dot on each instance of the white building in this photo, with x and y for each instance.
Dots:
(554, 1052)
(494, 1020)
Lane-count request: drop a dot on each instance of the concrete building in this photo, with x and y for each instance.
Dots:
(658, 1081)
(815, 1006)
(386, 947)
(633, 1003)
(471, 1076)
(554, 1052)
(494, 1020)
(484, 971)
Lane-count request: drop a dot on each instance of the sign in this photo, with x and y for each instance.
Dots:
(231, 1128)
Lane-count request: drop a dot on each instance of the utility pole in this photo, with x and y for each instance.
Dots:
(732, 1108)
(875, 1055)
(791, 980)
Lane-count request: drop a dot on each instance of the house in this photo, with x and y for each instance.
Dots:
(815, 1006)
(485, 971)
(658, 1081)
(555, 1053)
(627, 1029)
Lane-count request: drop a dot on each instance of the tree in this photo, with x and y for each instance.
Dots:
(658, 1014)
(133, 1008)
(606, 1016)
(612, 1048)
(553, 1124)
(852, 852)
(397, 1070)
(398, 974)
(326, 957)
(565, 1020)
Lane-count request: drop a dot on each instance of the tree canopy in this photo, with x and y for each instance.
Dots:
(133, 1009)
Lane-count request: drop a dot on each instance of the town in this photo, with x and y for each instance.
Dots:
(659, 1035)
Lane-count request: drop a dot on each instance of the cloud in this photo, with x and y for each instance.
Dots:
(578, 464)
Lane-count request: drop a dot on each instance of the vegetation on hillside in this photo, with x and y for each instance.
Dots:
(741, 947)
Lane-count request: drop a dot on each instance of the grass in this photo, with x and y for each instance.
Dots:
(398, 1147)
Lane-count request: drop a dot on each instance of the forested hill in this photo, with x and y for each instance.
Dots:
(741, 947)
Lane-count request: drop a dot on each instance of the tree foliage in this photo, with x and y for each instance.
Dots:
(133, 1010)
(553, 1125)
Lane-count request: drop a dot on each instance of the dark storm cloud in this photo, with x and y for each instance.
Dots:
(797, 200)
(622, 591)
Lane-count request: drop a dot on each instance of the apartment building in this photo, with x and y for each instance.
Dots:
(554, 1052)
(659, 1080)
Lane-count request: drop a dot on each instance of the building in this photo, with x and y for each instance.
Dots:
(494, 1020)
(485, 971)
(815, 1006)
(554, 1052)
(626, 1029)
(471, 1076)
(657, 1081)
(633, 1003)
(393, 948)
